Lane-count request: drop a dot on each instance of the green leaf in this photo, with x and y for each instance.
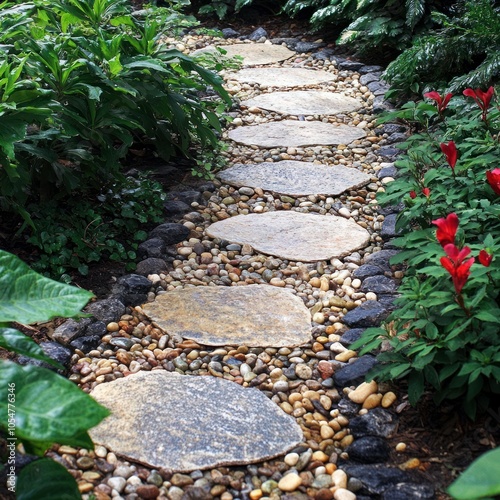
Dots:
(45, 479)
(28, 297)
(487, 316)
(49, 408)
(415, 387)
(14, 340)
(480, 479)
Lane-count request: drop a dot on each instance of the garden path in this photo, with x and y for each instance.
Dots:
(293, 220)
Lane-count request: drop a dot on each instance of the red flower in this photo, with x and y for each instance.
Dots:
(450, 150)
(447, 229)
(482, 99)
(456, 265)
(413, 194)
(426, 192)
(493, 177)
(485, 258)
(440, 101)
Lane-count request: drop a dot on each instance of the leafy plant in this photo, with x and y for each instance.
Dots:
(40, 407)
(444, 334)
(480, 479)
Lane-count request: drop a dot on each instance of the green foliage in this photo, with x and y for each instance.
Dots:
(223, 8)
(42, 407)
(439, 338)
(465, 51)
(480, 479)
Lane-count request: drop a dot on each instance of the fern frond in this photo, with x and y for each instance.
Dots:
(414, 11)
(481, 77)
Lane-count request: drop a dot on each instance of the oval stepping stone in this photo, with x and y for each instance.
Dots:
(282, 77)
(295, 178)
(293, 235)
(305, 102)
(254, 54)
(184, 423)
(293, 133)
(234, 315)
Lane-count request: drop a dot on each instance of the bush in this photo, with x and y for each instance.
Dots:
(444, 335)
(39, 407)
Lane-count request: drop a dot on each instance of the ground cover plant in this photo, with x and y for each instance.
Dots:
(39, 407)
(82, 82)
(444, 334)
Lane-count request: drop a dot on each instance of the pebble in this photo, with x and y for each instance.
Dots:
(343, 494)
(290, 482)
(363, 391)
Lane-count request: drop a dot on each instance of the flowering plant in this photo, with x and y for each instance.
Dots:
(444, 334)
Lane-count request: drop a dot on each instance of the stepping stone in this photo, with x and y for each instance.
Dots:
(234, 316)
(293, 133)
(295, 178)
(254, 54)
(305, 102)
(282, 77)
(187, 423)
(293, 235)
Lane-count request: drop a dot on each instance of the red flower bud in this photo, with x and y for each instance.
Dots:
(485, 258)
(441, 102)
(493, 177)
(455, 264)
(426, 192)
(450, 150)
(413, 194)
(447, 229)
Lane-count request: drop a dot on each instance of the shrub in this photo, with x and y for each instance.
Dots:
(444, 334)
(39, 407)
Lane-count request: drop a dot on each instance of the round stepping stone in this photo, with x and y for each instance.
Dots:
(184, 423)
(282, 77)
(234, 316)
(293, 235)
(254, 54)
(293, 133)
(295, 178)
(305, 102)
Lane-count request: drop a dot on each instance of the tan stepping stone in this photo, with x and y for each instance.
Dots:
(293, 235)
(282, 77)
(234, 316)
(187, 423)
(295, 133)
(254, 54)
(295, 178)
(305, 102)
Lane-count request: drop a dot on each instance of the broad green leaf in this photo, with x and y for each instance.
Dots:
(28, 297)
(487, 316)
(49, 408)
(45, 479)
(415, 387)
(14, 340)
(480, 479)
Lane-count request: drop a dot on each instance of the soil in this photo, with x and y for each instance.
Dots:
(442, 438)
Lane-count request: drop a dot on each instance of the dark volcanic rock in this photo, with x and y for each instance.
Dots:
(404, 491)
(369, 450)
(258, 34)
(377, 422)
(53, 350)
(367, 270)
(307, 46)
(70, 330)
(132, 289)
(350, 65)
(151, 266)
(380, 105)
(354, 372)
(368, 78)
(324, 54)
(348, 408)
(370, 313)
(396, 137)
(188, 197)
(370, 69)
(351, 336)
(389, 227)
(230, 33)
(96, 328)
(389, 152)
(391, 171)
(152, 248)
(175, 207)
(86, 343)
(170, 233)
(378, 285)
(106, 310)
(381, 259)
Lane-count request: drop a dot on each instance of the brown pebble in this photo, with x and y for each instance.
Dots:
(324, 494)
(147, 491)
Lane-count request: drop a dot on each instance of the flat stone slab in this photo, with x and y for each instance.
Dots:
(295, 133)
(305, 102)
(234, 315)
(293, 235)
(186, 423)
(295, 178)
(254, 54)
(282, 77)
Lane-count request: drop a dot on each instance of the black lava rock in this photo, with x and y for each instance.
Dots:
(351, 336)
(354, 372)
(151, 266)
(370, 313)
(229, 33)
(170, 233)
(188, 197)
(396, 137)
(380, 105)
(347, 407)
(175, 207)
(53, 350)
(376, 86)
(258, 34)
(86, 343)
(369, 450)
(70, 330)
(106, 310)
(364, 70)
(377, 422)
(378, 284)
(394, 128)
(404, 491)
(96, 328)
(132, 289)
(324, 54)
(389, 153)
(367, 270)
(381, 259)
(307, 46)
(152, 248)
(389, 227)
(350, 65)
(369, 78)
(391, 171)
